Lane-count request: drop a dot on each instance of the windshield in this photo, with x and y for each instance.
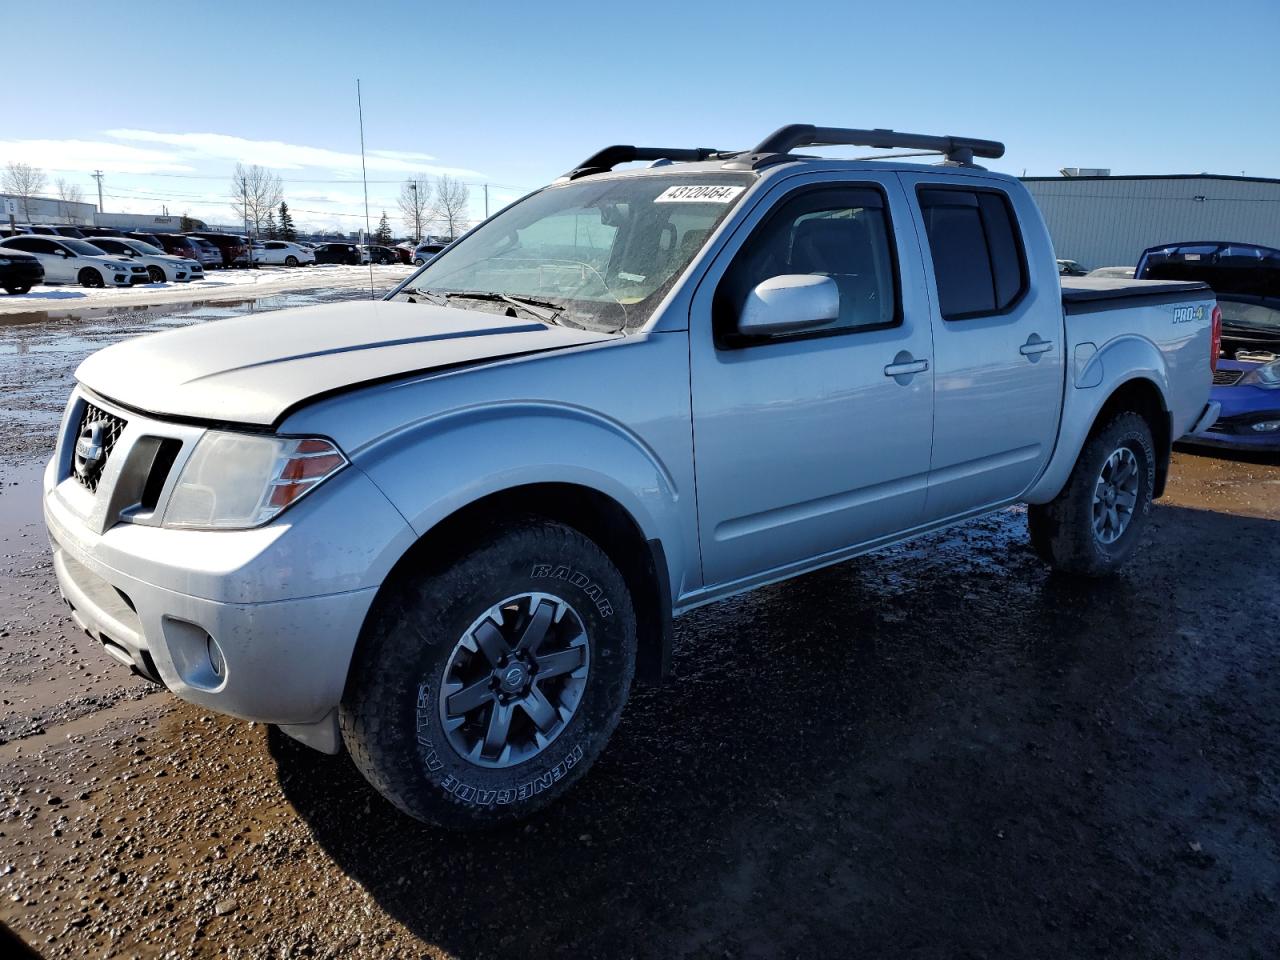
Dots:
(1265, 316)
(83, 248)
(146, 248)
(601, 252)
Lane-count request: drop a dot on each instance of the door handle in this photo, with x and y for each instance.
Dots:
(905, 368)
(1035, 346)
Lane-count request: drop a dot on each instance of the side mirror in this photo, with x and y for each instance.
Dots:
(791, 303)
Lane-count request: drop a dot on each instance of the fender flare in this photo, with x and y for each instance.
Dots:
(436, 466)
(1093, 379)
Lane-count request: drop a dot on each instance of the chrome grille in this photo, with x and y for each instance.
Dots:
(1225, 378)
(109, 429)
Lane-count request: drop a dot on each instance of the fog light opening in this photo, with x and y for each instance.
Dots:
(216, 663)
(1266, 426)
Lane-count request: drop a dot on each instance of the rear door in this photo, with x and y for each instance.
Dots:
(807, 444)
(997, 331)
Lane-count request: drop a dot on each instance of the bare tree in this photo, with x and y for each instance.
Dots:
(449, 205)
(255, 193)
(23, 181)
(415, 202)
(68, 193)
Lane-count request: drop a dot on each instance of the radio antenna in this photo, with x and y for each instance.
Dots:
(364, 175)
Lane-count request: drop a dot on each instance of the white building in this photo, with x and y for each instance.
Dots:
(51, 211)
(1105, 221)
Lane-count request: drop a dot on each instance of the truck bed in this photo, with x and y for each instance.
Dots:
(1094, 294)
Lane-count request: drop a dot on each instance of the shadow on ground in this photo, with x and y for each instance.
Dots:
(938, 751)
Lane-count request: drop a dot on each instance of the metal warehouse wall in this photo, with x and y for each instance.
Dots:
(1109, 221)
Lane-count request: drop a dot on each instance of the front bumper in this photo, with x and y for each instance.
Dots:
(259, 623)
(281, 662)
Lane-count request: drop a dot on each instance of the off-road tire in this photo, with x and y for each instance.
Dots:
(390, 710)
(1062, 531)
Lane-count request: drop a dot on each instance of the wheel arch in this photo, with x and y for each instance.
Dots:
(1140, 392)
(641, 561)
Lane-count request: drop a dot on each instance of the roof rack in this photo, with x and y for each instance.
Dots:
(775, 147)
(605, 160)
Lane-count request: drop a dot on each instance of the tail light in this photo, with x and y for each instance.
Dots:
(1215, 338)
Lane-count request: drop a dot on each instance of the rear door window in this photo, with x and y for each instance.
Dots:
(978, 262)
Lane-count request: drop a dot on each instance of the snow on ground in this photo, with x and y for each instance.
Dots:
(219, 285)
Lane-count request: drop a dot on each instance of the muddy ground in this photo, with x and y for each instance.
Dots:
(940, 750)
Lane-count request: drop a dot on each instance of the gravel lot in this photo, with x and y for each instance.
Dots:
(939, 751)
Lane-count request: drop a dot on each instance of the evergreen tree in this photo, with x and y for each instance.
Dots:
(383, 236)
(272, 232)
(287, 229)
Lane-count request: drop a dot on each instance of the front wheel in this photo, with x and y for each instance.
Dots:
(156, 274)
(1093, 526)
(18, 289)
(483, 689)
(290, 261)
(90, 277)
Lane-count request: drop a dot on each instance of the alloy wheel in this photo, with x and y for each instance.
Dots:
(514, 680)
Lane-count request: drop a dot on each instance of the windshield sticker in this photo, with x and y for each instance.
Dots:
(698, 193)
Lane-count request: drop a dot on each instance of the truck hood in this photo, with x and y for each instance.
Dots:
(254, 369)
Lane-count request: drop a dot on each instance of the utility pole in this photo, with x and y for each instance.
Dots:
(417, 213)
(97, 175)
(486, 201)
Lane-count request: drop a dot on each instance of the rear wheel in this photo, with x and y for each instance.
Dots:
(482, 690)
(1093, 526)
(156, 274)
(89, 277)
(18, 289)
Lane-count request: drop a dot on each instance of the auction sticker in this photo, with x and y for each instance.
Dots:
(699, 193)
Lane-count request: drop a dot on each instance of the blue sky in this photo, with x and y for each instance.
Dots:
(165, 97)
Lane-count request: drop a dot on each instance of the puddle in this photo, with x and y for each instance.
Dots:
(19, 497)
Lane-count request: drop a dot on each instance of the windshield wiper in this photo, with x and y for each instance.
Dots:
(529, 305)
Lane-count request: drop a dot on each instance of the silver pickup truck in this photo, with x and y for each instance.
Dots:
(449, 528)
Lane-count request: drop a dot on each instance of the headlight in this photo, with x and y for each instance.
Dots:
(238, 480)
(5, 261)
(1266, 376)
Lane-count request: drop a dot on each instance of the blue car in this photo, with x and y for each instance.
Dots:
(1246, 279)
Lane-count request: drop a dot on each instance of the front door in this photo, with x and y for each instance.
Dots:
(998, 349)
(806, 444)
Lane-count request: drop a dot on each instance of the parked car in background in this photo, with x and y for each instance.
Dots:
(427, 251)
(379, 254)
(210, 256)
(19, 271)
(161, 267)
(1246, 279)
(1113, 273)
(69, 260)
(1070, 268)
(102, 232)
(281, 253)
(45, 229)
(405, 251)
(233, 247)
(448, 529)
(176, 245)
(348, 253)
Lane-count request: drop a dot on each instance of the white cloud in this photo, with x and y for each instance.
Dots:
(279, 155)
(79, 155)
